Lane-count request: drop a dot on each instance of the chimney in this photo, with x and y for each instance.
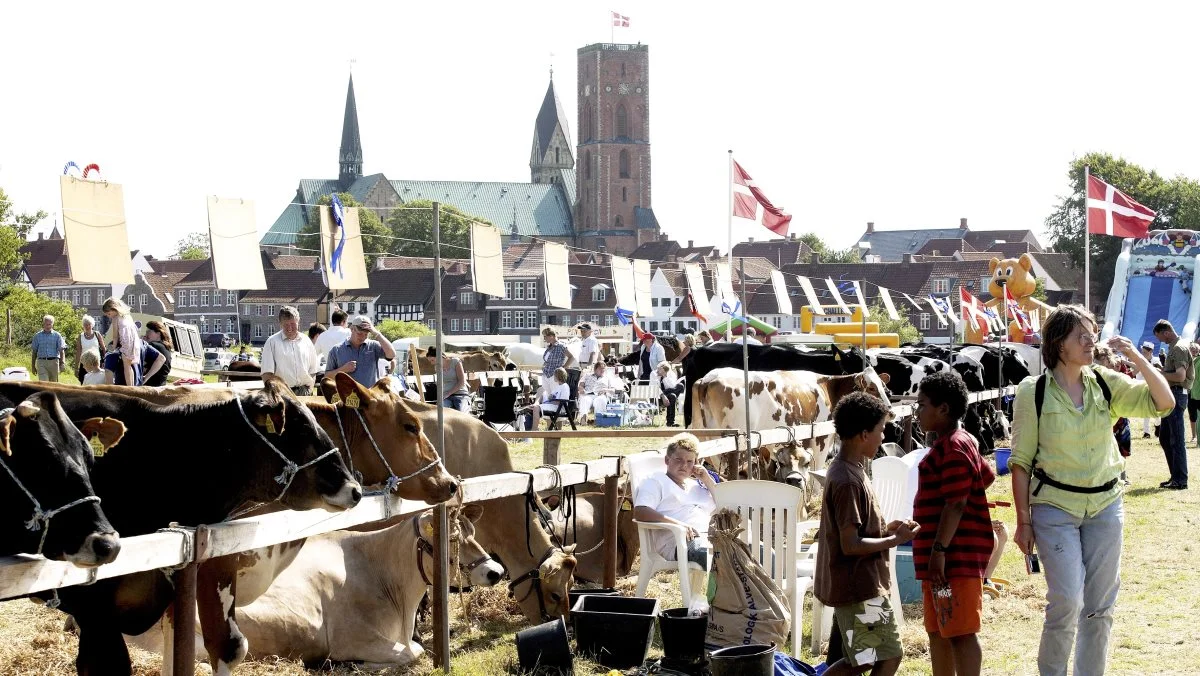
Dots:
(662, 236)
(962, 223)
(750, 240)
(691, 244)
(791, 237)
(815, 258)
(870, 226)
(907, 258)
(41, 235)
(936, 252)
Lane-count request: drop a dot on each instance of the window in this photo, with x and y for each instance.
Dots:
(229, 325)
(595, 319)
(270, 310)
(532, 319)
(622, 122)
(258, 310)
(506, 317)
(623, 198)
(507, 290)
(454, 325)
(466, 298)
(479, 325)
(678, 301)
(203, 297)
(984, 282)
(258, 330)
(599, 294)
(432, 324)
(192, 295)
(75, 297)
(924, 321)
(653, 326)
(665, 302)
(87, 297)
(654, 302)
(231, 298)
(941, 285)
(203, 326)
(617, 222)
(128, 299)
(623, 164)
(520, 289)
(589, 125)
(142, 300)
(692, 326)
(587, 164)
(608, 319)
(622, 69)
(362, 308)
(531, 290)
(795, 321)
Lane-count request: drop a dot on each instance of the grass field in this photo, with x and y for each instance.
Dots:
(1157, 600)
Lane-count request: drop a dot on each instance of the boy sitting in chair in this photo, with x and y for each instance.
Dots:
(680, 495)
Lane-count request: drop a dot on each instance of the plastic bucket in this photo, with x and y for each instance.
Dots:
(615, 630)
(1002, 455)
(574, 594)
(755, 659)
(682, 634)
(545, 649)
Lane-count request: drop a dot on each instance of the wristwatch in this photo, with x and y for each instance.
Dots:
(939, 547)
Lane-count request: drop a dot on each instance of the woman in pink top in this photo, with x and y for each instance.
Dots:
(125, 342)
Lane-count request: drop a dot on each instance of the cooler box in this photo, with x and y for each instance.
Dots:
(910, 586)
(613, 416)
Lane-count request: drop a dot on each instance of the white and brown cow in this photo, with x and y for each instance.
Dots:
(779, 399)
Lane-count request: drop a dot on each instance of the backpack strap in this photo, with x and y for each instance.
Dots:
(1039, 393)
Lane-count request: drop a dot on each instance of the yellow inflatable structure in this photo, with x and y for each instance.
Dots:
(849, 332)
(1017, 274)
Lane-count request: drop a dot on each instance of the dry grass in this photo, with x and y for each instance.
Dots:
(1149, 635)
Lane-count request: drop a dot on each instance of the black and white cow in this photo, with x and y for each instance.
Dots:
(906, 373)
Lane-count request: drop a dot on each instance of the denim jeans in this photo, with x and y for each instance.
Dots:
(1082, 563)
(1174, 439)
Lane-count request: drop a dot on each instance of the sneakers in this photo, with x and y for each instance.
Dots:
(1173, 486)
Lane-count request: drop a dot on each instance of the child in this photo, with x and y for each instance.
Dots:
(853, 576)
(952, 550)
(681, 495)
(91, 365)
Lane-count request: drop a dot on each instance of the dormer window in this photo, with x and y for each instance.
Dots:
(466, 298)
(600, 293)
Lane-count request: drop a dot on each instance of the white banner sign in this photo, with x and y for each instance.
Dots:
(557, 272)
(487, 260)
(641, 287)
(781, 293)
(811, 294)
(623, 284)
(888, 305)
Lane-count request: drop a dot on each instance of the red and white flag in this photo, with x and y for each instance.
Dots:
(971, 309)
(620, 21)
(747, 200)
(1112, 212)
(1016, 312)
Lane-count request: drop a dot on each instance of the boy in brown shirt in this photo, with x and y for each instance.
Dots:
(852, 573)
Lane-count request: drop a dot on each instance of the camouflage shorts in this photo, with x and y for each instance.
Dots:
(869, 632)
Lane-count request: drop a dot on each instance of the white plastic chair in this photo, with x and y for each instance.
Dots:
(647, 393)
(891, 479)
(770, 514)
(691, 574)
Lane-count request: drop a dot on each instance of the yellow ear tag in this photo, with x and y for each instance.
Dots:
(427, 531)
(626, 505)
(837, 357)
(337, 399)
(270, 425)
(97, 446)
(352, 400)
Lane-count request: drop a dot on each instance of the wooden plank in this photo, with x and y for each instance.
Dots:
(611, 515)
(504, 485)
(20, 575)
(183, 620)
(550, 455)
(605, 433)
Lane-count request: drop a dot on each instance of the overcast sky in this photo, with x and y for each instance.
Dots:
(905, 114)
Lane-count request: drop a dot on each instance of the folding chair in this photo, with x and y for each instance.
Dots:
(499, 406)
(566, 407)
(691, 575)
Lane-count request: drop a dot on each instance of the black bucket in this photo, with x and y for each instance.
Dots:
(615, 630)
(575, 593)
(682, 634)
(544, 649)
(755, 659)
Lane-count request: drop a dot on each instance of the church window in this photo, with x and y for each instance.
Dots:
(622, 122)
(587, 164)
(617, 221)
(622, 70)
(589, 124)
(623, 194)
(623, 164)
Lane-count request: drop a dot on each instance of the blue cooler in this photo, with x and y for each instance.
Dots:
(910, 586)
(612, 416)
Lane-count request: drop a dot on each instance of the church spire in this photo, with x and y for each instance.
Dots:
(350, 157)
(551, 139)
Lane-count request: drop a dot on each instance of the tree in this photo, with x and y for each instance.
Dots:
(412, 226)
(830, 255)
(22, 223)
(28, 307)
(194, 247)
(376, 237)
(1039, 291)
(14, 229)
(392, 329)
(1177, 201)
(908, 333)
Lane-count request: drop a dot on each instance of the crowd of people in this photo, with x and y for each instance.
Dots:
(124, 359)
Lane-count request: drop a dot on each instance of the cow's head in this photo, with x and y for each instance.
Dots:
(391, 427)
(786, 463)
(468, 558)
(558, 576)
(852, 360)
(51, 457)
(288, 427)
(872, 383)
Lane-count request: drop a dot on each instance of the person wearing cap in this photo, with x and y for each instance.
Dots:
(289, 354)
(1177, 369)
(589, 348)
(358, 356)
(650, 355)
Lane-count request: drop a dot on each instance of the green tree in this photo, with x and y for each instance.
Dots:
(412, 226)
(14, 229)
(392, 329)
(21, 223)
(376, 237)
(1177, 201)
(828, 254)
(194, 247)
(908, 333)
(1040, 291)
(28, 307)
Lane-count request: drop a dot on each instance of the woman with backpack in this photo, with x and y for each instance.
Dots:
(1066, 469)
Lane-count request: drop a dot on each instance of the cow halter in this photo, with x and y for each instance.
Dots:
(290, 468)
(393, 482)
(426, 547)
(534, 578)
(41, 518)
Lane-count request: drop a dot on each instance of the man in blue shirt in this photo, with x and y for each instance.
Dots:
(359, 355)
(49, 351)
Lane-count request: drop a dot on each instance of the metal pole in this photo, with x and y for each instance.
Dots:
(183, 654)
(441, 568)
(862, 319)
(750, 468)
(1087, 244)
(729, 237)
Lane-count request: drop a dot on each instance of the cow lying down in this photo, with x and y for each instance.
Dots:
(353, 596)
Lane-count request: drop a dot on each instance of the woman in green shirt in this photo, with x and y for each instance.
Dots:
(1065, 465)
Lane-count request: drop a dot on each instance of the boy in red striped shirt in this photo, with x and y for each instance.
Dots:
(953, 546)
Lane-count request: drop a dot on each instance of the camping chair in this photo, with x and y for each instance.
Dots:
(770, 515)
(644, 398)
(499, 406)
(566, 407)
(691, 575)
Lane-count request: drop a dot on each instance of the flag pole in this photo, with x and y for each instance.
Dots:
(1087, 244)
(729, 234)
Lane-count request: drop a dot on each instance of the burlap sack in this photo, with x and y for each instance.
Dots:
(745, 606)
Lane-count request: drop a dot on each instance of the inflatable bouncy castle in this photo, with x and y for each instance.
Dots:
(1153, 281)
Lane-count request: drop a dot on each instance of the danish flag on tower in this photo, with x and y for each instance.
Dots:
(747, 200)
(1112, 212)
(620, 21)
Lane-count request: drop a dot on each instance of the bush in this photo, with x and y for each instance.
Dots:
(28, 308)
(392, 329)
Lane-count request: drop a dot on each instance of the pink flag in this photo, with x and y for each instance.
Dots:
(620, 21)
(747, 198)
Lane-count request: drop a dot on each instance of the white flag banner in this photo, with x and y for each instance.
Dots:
(94, 227)
(623, 284)
(949, 309)
(811, 294)
(888, 305)
(912, 301)
(487, 260)
(862, 302)
(1035, 320)
(781, 293)
(937, 311)
(233, 241)
(725, 292)
(695, 283)
(558, 278)
(351, 271)
(641, 288)
(837, 296)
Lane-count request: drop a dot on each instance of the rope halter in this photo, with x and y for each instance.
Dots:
(392, 484)
(290, 468)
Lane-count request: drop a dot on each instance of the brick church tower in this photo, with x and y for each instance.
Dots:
(613, 156)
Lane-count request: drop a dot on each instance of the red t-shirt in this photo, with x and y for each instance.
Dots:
(954, 469)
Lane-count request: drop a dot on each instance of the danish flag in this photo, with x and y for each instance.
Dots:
(971, 308)
(620, 21)
(1112, 212)
(747, 198)
(1014, 309)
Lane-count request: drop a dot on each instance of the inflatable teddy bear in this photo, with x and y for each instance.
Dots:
(1017, 274)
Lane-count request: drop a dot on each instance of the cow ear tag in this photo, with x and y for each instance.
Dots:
(427, 530)
(270, 425)
(97, 446)
(837, 357)
(352, 400)
(337, 399)
(626, 505)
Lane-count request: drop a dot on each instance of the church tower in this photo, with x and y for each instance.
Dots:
(613, 177)
(551, 153)
(350, 156)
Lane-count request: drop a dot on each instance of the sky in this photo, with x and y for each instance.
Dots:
(904, 114)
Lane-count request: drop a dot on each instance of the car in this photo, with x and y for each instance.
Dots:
(217, 340)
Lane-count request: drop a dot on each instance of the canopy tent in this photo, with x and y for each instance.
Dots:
(762, 327)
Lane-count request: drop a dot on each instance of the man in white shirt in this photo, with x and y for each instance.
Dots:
(681, 495)
(335, 335)
(750, 336)
(589, 348)
(290, 355)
